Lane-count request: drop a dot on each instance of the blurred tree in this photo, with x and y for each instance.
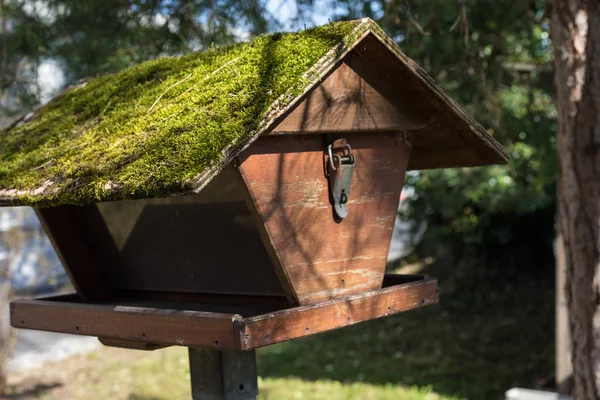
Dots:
(94, 37)
(576, 40)
(494, 58)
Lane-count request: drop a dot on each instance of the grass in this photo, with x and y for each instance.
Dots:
(127, 375)
(493, 330)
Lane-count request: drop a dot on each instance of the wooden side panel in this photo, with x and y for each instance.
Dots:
(84, 246)
(319, 257)
(354, 98)
(206, 243)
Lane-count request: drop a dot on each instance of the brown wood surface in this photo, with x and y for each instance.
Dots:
(223, 375)
(126, 323)
(83, 245)
(354, 98)
(319, 257)
(132, 344)
(265, 236)
(375, 90)
(259, 302)
(153, 327)
(206, 243)
(264, 330)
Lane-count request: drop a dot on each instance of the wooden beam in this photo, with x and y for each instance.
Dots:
(223, 375)
(264, 330)
(127, 324)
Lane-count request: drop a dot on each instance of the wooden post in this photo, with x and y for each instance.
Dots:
(223, 375)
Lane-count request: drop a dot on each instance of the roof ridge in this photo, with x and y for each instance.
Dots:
(475, 126)
(182, 156)
(288, 100)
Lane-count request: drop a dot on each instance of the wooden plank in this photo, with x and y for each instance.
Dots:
(255, 302)
(322, 258)
(125, 323)
(354, 98)
(83, 244)
(274, 256)
(264, 330)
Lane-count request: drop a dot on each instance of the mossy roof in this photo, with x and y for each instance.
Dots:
(167, 126)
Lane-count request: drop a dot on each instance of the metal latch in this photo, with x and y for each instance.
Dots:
(339, 171)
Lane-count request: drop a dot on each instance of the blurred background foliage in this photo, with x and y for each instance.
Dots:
(492, 56)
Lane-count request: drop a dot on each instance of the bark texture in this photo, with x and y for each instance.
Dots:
(575, 29)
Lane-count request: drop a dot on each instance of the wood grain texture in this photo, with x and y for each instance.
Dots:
(127, 324)
(353, 98)
(375, 90)
(83, 245)
(575, 30)
(223, 375)
(320, 257)
(264, 330)
(152, 326)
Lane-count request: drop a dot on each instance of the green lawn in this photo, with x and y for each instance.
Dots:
(492, 330)
(164, 375)
(488, 334)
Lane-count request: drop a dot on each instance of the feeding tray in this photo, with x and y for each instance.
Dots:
(204, 322)
(238, 197)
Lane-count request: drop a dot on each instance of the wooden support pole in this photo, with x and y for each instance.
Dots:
(223, 375)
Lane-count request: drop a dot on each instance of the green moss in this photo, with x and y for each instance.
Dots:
(152, 129)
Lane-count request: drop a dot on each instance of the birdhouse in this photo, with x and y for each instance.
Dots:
(238, 197)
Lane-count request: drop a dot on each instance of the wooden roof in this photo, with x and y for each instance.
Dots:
(167, 127)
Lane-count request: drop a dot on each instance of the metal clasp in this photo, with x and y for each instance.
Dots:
(340, 169)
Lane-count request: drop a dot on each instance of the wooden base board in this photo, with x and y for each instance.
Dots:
(145, 327)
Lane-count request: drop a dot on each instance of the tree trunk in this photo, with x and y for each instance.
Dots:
(575, 29)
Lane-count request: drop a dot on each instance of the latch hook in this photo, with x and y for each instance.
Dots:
(339, 171)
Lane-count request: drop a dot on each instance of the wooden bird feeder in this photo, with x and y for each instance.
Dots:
(284, 235)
